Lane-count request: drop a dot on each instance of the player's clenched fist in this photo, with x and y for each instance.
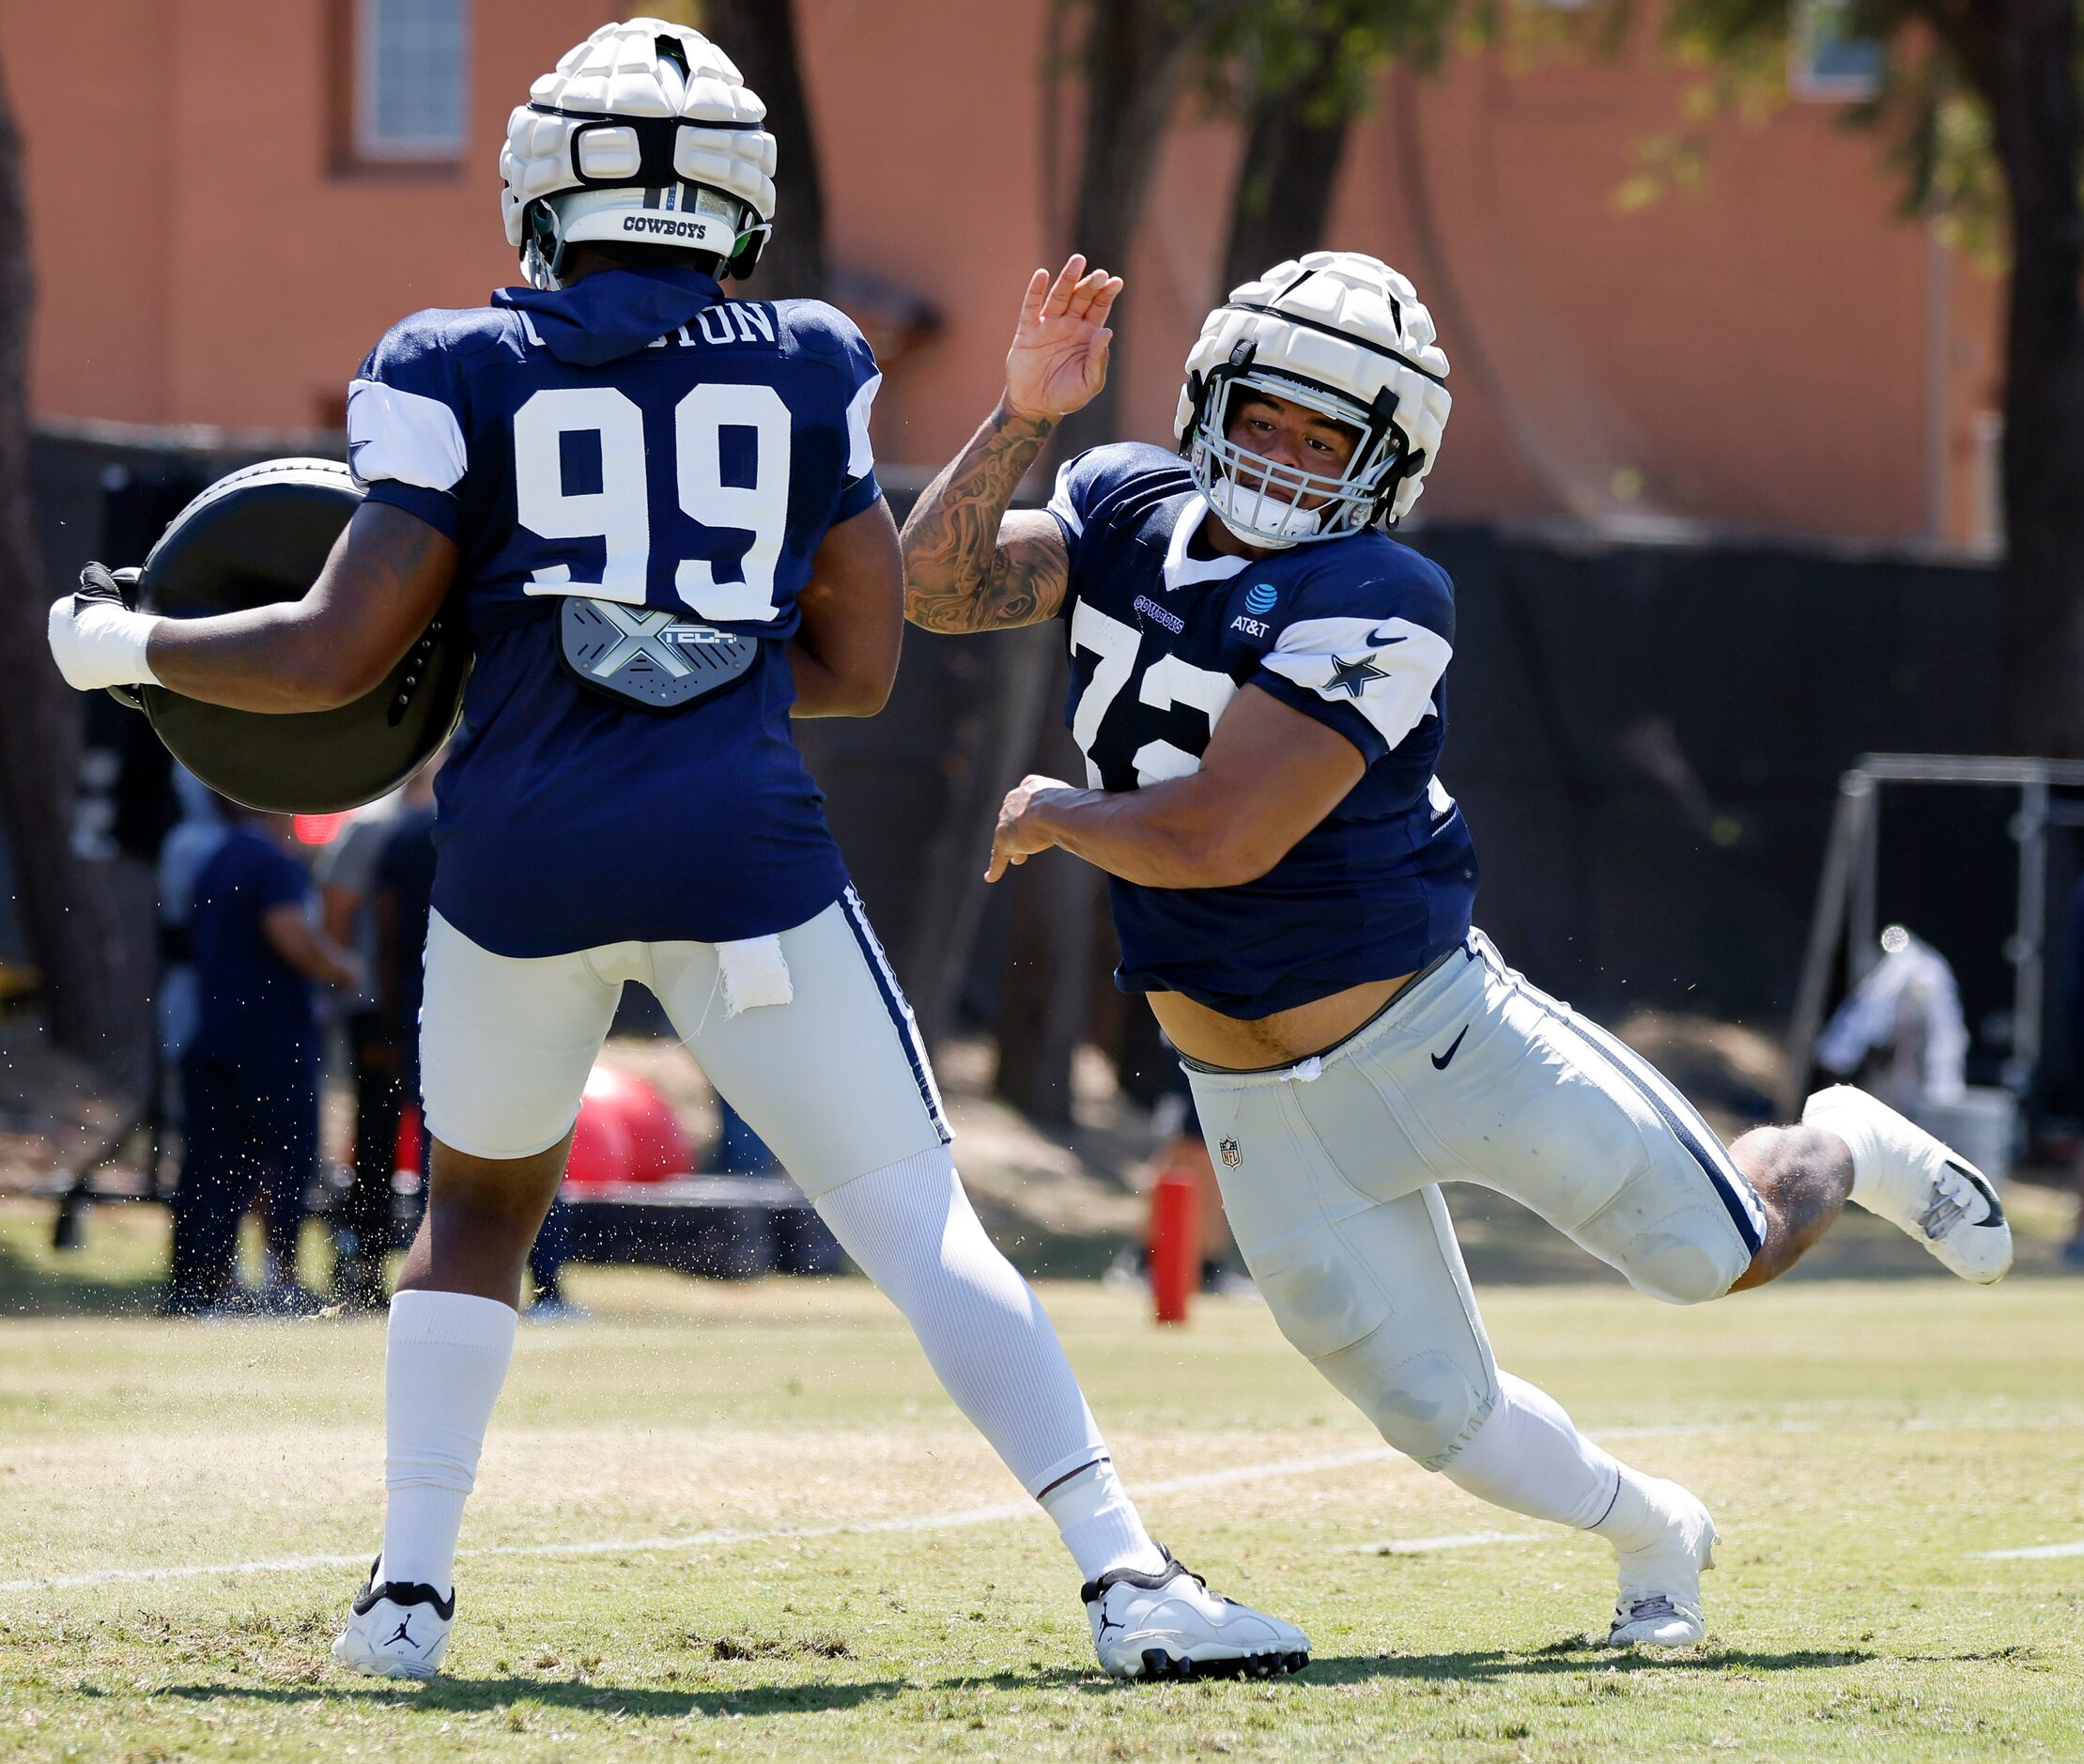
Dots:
(1058, 361)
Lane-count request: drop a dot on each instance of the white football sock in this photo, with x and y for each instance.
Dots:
(912, 1231)
(1863, 1123)
(1528, 1456)
(444, 1363)
(1099, 1525)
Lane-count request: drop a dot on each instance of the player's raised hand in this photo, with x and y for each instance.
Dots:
(1058, 361)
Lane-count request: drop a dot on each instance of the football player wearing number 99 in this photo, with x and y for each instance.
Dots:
(661, 511)
(1258, 683)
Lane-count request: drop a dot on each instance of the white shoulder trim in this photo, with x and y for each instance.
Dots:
(861, 456)
(1386, 669)
(405, 436)
(1060, 503)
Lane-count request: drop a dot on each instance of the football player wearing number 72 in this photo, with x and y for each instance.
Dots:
(1258, 686)
(661, 510)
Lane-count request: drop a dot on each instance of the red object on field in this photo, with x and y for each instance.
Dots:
(408, 1141)
(601, 1149)
(658, 1145)
(1175, 1244)
(320, 829)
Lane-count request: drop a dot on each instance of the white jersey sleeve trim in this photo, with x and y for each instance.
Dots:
(405, 436)
(1061, 503)
(1386, 669)
(860, 455)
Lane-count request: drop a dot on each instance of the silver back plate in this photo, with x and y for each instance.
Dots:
(647, 658)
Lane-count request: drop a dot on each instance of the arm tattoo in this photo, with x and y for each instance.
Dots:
(966, 566)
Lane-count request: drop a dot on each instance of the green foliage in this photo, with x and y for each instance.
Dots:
(1327, 55)
(1328, 52)
(1935, 130)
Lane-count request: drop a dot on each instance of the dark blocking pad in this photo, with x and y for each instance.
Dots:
(256, 539)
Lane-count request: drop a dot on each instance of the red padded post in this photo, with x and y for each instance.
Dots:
(1175, 1244)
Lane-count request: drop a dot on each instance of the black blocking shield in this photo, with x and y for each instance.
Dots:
(255, 538)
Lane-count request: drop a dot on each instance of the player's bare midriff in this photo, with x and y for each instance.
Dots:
(1246, 1044)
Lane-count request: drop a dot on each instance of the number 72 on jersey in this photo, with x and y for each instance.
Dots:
(1103, 728)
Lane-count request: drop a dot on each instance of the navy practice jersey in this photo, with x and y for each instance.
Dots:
(635, 438)
(1355, 632)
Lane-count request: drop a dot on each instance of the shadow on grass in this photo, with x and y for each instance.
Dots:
(471, 1695)
(1489, 1667)
(1572, 1656)
(1576, 1655)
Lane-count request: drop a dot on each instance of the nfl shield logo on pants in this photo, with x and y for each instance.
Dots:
(1233, 1154)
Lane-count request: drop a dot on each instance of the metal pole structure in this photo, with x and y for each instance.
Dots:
(2024, 948)
(1849, 889)
(1849, 817)
(1863, 940)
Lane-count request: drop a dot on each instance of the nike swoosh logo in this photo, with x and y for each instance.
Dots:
(1384, 643)
(1984, 1189)
(1440, 1061)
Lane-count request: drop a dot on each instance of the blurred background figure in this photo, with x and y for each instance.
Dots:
(250, 1071)
(345, 871)
(1904, 1016)
(739, 1150)
(189, 845)
(400, 891)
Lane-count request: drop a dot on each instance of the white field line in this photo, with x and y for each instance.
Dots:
(2037, 1552)
(989, 1515)
(708, 1540)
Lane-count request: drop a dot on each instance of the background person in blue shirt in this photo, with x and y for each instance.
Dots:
(250, 1074)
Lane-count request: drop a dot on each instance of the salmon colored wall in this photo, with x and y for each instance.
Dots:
(1762, 353)
(199, 261)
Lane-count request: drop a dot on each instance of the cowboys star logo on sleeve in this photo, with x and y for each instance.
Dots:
(1352, 677)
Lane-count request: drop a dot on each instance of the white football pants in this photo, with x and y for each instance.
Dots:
(1330, 1171)
(836, 1081)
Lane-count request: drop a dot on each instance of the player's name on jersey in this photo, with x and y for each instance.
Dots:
(727, 322)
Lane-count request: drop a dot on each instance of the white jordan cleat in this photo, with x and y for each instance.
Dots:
(1659, 1603)
(1169, 1625)
(1916, 1182)
(396, 1630)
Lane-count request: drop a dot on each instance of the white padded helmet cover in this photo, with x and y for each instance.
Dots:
(1343, 291)
(618, 71)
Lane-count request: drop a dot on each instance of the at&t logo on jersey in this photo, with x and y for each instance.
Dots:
(1260, 598)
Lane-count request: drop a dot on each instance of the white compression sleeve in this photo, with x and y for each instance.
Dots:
(1528, 1456)
(445, 1360)
(913, 1232)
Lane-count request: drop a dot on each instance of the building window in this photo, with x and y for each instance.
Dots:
(411, 80)
(1831, 64)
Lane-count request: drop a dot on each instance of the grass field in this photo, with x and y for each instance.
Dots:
(744, 1522)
